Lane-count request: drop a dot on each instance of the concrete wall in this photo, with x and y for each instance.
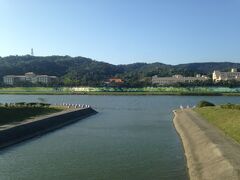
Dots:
(42, 125)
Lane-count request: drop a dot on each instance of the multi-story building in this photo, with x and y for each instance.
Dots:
(11, 79)
(226, 76)
(28, 77)
(177, 79)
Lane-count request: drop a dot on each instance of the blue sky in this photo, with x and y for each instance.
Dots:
(123, 31)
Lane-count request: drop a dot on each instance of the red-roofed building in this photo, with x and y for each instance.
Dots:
(115, 80)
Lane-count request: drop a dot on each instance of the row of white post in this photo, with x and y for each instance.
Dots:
(75, 105)
(187, 107)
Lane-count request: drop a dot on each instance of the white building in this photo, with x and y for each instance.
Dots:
(225, 76)
(28, 77)
(177, 79)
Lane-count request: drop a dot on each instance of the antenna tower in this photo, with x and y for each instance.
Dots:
(32, 54)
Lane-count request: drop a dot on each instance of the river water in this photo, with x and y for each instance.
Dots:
(132, 137)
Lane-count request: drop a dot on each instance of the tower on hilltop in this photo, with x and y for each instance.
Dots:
(32, 54)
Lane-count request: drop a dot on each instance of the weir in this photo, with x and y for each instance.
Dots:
(17, 132)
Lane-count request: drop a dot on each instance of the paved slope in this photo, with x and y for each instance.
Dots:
(210, 154)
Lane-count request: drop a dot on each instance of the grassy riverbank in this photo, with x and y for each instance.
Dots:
(12, 114)
(195, 91)
(226, 119)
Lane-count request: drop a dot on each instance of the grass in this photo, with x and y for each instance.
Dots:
(180, 91)
(124, 93)
(228, 120)
(18, 114)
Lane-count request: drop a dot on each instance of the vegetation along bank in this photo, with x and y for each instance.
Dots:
(123, 91)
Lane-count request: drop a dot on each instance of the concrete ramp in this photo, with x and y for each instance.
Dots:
(210, 154)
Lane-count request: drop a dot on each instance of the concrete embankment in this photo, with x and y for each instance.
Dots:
(16, 132)
(210, 154)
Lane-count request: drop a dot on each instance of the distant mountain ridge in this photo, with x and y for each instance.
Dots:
(86, 71)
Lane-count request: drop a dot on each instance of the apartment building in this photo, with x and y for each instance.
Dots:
(226, 76)
(177, 79)
(28, 77)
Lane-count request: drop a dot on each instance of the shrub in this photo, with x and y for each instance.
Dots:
(43, 104)
(230, 106)
(20, 104)
(11, 104)
(24, 104)
(32, 104)
(204, 104)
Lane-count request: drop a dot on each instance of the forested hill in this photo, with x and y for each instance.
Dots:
(85, 71)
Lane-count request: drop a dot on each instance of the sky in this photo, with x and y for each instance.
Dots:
(123, 31)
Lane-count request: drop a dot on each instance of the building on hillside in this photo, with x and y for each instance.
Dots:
(115, 80)
(12, 79)
(177, 79)
(28, 77)
(226, 76)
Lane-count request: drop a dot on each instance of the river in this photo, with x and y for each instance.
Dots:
(132, 137)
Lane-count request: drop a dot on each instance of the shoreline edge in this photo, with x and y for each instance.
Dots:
(209, 153)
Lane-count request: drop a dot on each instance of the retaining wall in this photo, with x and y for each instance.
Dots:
(41, 125)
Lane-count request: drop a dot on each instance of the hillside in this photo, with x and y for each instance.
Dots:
(85, 71)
